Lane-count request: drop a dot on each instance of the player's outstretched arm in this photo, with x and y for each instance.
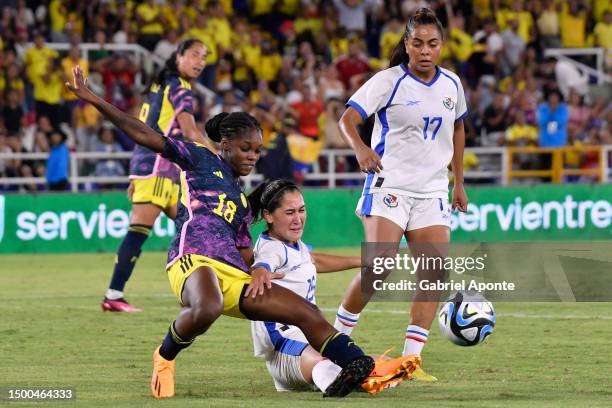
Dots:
(334, 263)
(134, 128)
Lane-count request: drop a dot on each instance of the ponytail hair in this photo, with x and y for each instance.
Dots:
(423, 16)
(230, 125)
(170, 68)
(268, 196)
(399, 55)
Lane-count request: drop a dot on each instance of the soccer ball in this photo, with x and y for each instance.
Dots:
(466, 318)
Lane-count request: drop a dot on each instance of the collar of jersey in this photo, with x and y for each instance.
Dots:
(430, 83)
(225, 164)
(269, 238)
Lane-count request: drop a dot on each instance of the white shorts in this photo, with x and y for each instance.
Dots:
(409, 213)
(286, 373)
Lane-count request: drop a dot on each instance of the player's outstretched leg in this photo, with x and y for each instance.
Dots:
(389, 372)
(282, 305)
(203, 304)
(162, 379)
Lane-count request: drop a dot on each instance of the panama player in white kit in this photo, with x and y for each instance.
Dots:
(294, 364)
(419, 109)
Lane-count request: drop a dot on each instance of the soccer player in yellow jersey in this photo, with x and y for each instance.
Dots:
(168, 109)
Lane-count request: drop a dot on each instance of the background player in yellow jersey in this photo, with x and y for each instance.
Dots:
(168, 109)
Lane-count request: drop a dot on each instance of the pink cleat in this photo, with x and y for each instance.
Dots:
(118, 305)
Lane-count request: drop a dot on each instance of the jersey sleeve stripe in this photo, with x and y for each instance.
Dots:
(187, 203)
(359, 109)
(451, 78)
(395, 88)
(286, 257)
(462, 116)
(265, 265)
(176, 96)
(380, 147)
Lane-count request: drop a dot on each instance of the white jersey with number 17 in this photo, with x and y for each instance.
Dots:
(413, 132)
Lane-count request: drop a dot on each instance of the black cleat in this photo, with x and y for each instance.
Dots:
(351, 377)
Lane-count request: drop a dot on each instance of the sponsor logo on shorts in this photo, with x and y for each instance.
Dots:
(390, 201)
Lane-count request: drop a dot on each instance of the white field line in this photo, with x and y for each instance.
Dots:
(96, 306)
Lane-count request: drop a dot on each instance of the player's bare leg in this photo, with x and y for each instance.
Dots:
(431, 242)
(203, 304)
(377, 229)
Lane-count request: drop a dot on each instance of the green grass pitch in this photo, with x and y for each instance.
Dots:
(54, 334)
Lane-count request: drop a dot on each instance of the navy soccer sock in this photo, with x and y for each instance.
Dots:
(128, 253)
(340, 349)
(173, 344)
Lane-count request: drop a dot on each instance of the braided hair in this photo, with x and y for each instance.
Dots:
(230, 125)
(268, 196)
(423, 16)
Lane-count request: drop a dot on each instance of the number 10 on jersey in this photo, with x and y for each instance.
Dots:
(435, 123)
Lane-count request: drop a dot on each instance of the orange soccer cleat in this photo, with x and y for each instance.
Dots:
(389, 373)
(162, 381)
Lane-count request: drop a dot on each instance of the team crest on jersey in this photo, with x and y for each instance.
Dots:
(218, 174)
(448, 103)
(390, 201)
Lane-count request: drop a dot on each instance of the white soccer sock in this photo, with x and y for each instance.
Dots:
(324, 373)
(113, 294)
(416, 337)
(345, 321)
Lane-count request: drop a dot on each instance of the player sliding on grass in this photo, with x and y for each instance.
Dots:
(293, 363)
(210, 254)
(419, 109)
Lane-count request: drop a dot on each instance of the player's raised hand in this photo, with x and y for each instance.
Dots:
(262, 279)
(460, 198)
(369, 160)
(79, 84)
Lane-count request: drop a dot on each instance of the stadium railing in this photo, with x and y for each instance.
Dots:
(599, 54)
(501, 173)
(558, 157)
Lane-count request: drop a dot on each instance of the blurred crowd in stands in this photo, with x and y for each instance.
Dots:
(293, 64)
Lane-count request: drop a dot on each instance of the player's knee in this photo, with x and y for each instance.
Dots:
(205, 313)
